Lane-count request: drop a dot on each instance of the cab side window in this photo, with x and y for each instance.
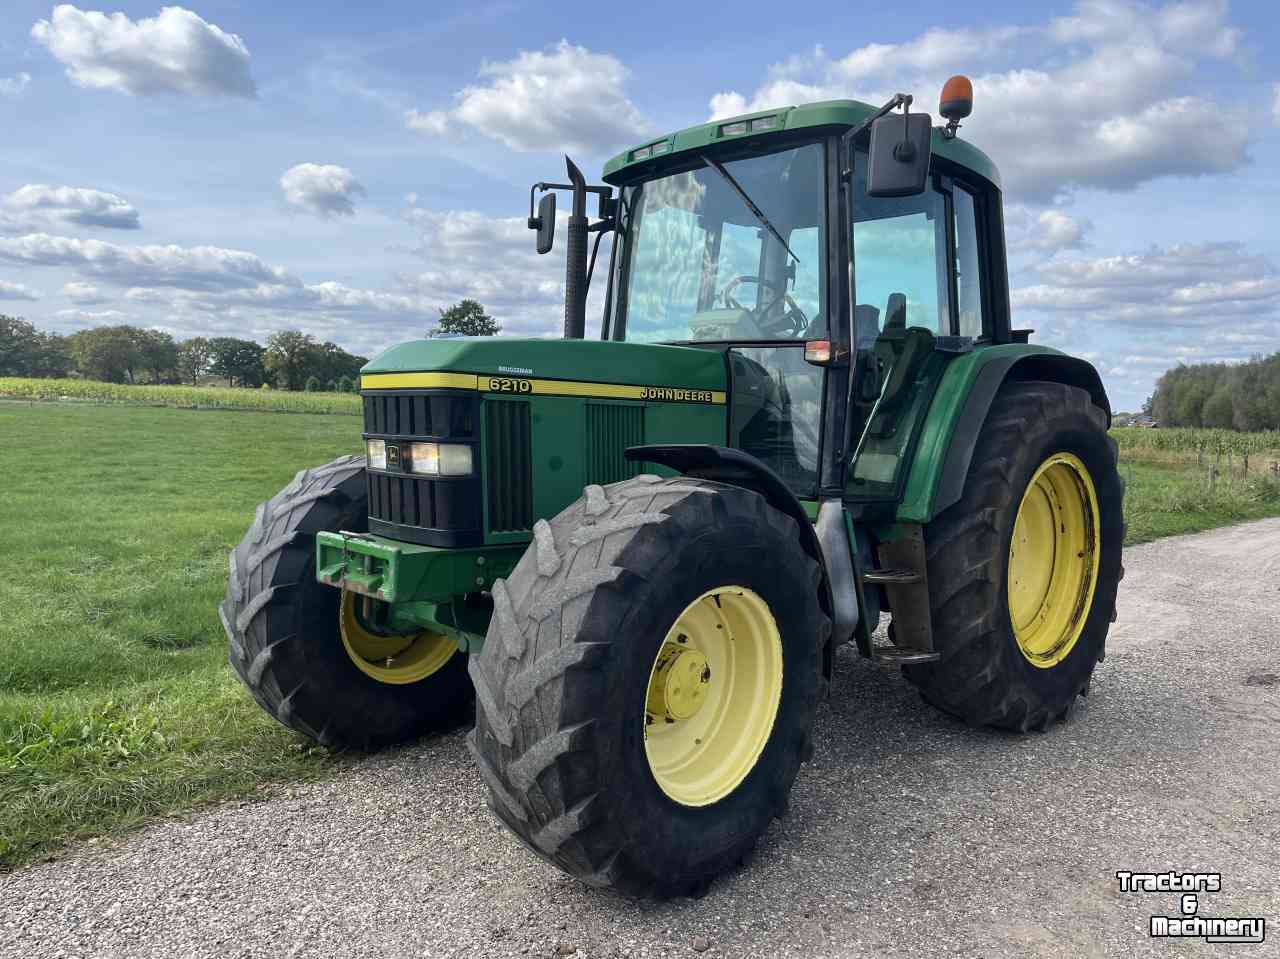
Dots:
(969, 293)
(900, 258)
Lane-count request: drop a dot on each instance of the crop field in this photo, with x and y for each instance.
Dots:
(184, 397)
(116, 703)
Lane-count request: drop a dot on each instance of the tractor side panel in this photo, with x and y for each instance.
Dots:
(540, 451)
(959, 408)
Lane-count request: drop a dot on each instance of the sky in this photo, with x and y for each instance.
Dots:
(239, 167)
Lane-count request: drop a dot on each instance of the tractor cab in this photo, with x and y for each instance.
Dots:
(766, 237)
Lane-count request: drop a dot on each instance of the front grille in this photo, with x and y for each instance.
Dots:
(508, 464)
(611, 428)
(413, 501)
(421, 509)
(419, 415)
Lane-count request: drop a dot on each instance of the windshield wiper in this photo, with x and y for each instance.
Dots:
(751, 205)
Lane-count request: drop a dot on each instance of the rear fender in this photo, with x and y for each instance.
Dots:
(960, 407)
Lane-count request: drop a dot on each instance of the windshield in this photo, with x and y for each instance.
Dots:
(703, 266)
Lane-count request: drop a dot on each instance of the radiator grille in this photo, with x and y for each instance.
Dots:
(418, 414)
(423, 509)
(611, 428)
(508, 466)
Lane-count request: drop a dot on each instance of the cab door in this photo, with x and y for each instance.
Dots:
(917, 305)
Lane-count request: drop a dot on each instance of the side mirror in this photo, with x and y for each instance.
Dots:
(898, 161)
(545, 222)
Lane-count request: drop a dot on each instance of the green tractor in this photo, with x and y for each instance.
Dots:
(634, 557)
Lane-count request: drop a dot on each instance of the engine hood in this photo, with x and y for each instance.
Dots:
(593, 361)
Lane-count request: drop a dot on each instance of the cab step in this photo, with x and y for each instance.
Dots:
(891, 577)
(894, 656)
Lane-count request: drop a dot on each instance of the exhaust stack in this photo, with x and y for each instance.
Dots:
(575, 279)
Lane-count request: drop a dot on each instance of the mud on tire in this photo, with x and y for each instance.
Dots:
(282, 625)
(561, 680)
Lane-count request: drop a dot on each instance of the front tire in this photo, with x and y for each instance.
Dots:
(620, 736)
(302, 648)
(1023, 570)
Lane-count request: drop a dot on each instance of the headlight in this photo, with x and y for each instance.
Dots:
(440, 459)
(376, 451)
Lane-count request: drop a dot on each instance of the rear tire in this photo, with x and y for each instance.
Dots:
(284, 627)
(991, 673)
(564, 682)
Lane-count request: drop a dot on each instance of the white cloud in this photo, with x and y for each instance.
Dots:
(87, 318)
(17, 291)
(201, 280)
(207, 268)
(563, 98)
(1046, 230)
(1186, 285)
(1144, 312)
(492, 259)
(1105, 98)
(15, 85)
(434, 122)
(83, 294)
(68, 204)
(936, 49)
(173, 52)
(322, 189)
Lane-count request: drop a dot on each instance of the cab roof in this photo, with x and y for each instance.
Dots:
(640, 161)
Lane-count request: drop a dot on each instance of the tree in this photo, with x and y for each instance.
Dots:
(332, 361)
(238, 360)
(194, 357)
(1217, 409)
(108, 353)
(467, 318)
(26, 351)
(157, 353)
(313, 385)
(290, 357)
(344, 384)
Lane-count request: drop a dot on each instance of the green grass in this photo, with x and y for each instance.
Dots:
(1167, 498)
(116, 702)
(188, 397)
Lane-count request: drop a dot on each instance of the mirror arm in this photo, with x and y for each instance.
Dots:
(846, 141)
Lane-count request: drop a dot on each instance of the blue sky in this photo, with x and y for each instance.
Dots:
(243, 167)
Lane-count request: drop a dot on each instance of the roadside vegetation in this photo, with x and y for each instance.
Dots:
(116, 702)
(1185, 480)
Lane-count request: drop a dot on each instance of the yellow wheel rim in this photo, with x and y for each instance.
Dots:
(1053, 560)
(391, 659)
(713, 695)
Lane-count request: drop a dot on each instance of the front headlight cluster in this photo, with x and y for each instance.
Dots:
(425, 459)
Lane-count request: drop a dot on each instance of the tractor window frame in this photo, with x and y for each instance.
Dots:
(979, 197)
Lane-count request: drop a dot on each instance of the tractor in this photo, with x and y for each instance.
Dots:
(632, 558)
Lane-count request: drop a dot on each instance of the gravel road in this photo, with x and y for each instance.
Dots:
(909, 834)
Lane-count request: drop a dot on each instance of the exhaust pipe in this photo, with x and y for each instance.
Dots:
(575, 279)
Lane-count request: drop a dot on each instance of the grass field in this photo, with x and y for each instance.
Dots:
(116, 703)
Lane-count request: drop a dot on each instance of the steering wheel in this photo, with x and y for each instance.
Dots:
(781, 316)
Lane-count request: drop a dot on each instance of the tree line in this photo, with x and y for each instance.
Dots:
(1232, 396)
(290, 360)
